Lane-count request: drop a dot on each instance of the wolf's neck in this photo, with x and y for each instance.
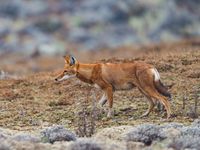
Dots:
(84, 71)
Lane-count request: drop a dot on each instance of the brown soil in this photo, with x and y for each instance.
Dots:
(30, 98)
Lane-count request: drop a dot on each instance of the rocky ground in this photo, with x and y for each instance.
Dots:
(31, 101)
(146, 136)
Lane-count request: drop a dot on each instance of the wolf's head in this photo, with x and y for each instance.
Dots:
(69, 70)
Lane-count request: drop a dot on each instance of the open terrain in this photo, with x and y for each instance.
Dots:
(30, 99)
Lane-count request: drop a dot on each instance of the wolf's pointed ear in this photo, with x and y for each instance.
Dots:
(64, 57)
(72, 60)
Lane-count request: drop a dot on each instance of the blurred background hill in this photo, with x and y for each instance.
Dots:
(54, 26)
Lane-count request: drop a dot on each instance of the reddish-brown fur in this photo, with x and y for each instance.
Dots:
(119, 76)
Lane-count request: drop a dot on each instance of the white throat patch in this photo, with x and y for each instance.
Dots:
(65, 77)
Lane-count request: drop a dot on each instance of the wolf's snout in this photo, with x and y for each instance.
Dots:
(56, 79)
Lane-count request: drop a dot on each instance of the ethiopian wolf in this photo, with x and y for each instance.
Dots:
(119, 76)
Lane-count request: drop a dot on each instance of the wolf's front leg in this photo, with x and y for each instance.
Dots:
(109, 92)
(103, 100)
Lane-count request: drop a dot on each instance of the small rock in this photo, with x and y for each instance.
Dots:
(146, 133)
(57, 133)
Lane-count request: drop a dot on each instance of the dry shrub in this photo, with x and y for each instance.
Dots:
(86, 117)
